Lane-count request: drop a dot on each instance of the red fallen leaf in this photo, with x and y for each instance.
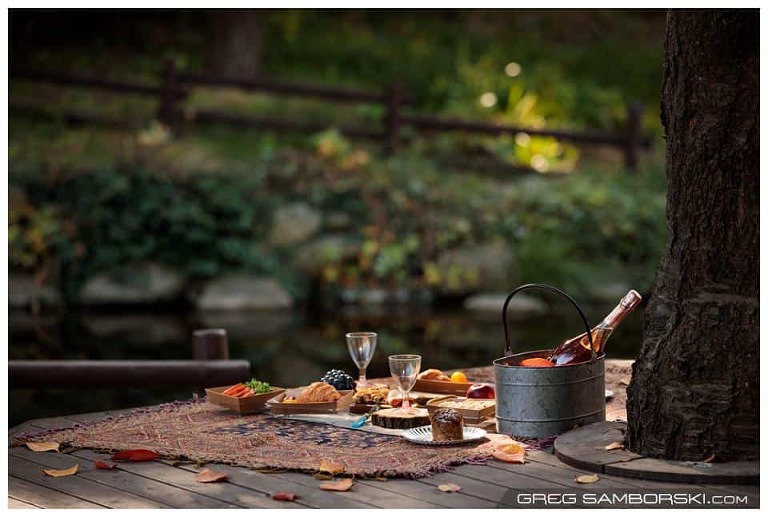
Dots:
(104, 465)
(284, 496)
(135, 455)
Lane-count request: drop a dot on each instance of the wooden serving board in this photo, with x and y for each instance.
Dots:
(243, 405)
(473, 410)
(279, 407)
(391, 419)
(442, 387)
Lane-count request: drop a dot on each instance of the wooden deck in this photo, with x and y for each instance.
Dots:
(161, 484)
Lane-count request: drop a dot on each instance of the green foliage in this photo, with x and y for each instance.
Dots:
(205, 225)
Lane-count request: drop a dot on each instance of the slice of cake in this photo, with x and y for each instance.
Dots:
(447, 425)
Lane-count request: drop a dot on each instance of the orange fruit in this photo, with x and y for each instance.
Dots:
(537, 362)
(458, 377)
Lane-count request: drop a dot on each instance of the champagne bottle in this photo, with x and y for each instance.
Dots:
(577, 349)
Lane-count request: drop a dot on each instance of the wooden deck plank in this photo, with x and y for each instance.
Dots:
(230, 493)
(146, 480)
(15, 504)
(266, 484)
(426, 491)
(77, 486)
(44, 497)
(368, 494)
(490, 495)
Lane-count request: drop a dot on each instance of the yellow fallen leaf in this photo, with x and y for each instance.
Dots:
(587, 478)
(614, 446)
(61, 473)
(449, 487)
(332, 467)
(341, 485)
(210, 476)
(43, 446)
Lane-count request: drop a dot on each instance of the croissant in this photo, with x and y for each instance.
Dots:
(318, 392)
(433, 375)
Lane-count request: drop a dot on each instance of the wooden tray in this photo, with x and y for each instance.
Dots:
(447, 387)
(279, 407)
(243, 405)
(470, 414)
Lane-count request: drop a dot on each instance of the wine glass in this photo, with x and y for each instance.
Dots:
(361, 347)
(404, 368)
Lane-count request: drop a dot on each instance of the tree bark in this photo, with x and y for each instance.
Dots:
(235, 44)
(695, 384)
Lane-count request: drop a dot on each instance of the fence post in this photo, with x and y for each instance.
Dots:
(392, 117)
(209, 345)
(169, 112)
(634, 135)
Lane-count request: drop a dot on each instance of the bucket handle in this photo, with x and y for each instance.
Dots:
(508, 342)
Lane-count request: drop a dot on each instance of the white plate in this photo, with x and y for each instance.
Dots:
(423, 435)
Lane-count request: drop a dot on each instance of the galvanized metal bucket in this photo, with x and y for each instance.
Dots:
(537, 402)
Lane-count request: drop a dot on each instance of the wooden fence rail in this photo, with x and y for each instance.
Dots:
(175, 86)
(210, 366)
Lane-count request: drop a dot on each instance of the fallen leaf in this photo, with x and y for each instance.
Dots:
(332, 467)
(104, 465)
(449, 487)
(587, 478)
(322, 476)
(614, 446)
(284, 496)
(624, 381)
(135, 455)
(210, 476)
(509, 452)
(62, 473)
(43, 446)
(341, 485)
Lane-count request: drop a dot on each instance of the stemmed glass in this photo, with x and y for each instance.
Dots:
(361, 347)
(404, 368)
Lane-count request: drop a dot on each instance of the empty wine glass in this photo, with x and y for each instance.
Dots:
(361, 347)
(404, 368)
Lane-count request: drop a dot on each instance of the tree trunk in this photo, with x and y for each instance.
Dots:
(695, 386)
(235, 44)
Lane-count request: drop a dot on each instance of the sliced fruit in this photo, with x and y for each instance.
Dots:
(537, 362)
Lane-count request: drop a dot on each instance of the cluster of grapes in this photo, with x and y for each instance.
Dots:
(339, 380)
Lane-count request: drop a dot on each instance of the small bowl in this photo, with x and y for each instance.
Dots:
(242, 405)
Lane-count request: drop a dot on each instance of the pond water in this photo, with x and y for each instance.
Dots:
(285, 348)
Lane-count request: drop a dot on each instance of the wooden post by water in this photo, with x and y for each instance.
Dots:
(210, 345)
(634, 136)
(169, 112)
(392, 118)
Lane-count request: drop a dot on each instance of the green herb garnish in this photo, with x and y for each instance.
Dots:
(258, 386)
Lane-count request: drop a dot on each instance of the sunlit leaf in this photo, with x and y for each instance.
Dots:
(210, 476)
(284, 496)
(332, 467)
(62, 473)
(614, 446)
(43, 446)
(104, 465)
(509, 452)
(135, 455)
(341, 485)
(449, 487)
(585, 479)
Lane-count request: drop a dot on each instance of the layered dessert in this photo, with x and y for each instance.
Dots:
(447, 425)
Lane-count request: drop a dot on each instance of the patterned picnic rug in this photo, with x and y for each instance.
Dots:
(198, 431)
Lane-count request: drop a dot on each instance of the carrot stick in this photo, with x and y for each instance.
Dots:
(239, 393)
(246, 393)
(232, 389)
